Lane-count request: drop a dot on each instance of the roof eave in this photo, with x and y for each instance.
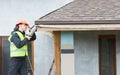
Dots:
(38, 22)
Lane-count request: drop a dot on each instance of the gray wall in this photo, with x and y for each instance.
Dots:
(86, 52)
(44, 53)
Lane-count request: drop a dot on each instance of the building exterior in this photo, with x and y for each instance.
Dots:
(95, 26)
(41, 53)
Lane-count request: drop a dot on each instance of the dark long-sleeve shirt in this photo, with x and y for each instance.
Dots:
(18, 43)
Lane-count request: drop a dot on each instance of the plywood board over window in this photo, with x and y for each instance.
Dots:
(107, 54)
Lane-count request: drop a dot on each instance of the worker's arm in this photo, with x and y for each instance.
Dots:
(16, 40)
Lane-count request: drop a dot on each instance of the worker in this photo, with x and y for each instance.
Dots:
(18, 48)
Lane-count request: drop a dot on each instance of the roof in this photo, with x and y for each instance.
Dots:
(84, 11)
(83, 15)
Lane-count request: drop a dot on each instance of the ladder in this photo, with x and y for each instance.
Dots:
(51, 67)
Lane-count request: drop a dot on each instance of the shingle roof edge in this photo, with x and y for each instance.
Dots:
(77, 22)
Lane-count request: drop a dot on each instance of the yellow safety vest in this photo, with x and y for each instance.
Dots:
(18, 52)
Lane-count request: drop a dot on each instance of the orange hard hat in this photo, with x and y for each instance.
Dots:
(22, 22)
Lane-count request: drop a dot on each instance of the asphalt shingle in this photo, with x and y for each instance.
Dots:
(85, 10)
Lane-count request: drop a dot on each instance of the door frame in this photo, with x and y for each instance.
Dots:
(114, 52)
(1, 51)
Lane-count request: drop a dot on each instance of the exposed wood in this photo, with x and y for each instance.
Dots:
(79, 27)
(32, 57)
(57, 53)
(1, 55)
(1, 70)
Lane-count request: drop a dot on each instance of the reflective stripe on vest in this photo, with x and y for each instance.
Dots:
(18, 52)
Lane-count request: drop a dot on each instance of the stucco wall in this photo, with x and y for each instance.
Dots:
(86, 52)
(44, 54)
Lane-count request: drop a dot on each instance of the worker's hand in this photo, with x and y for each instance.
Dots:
(29, 29)
(28, 37)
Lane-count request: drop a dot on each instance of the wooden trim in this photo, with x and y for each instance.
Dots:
(115, 71)
(114, 56)
(32, 56)
(1, 70)
(107, 36)
(57, 53)
(78, 27)
(1, 51)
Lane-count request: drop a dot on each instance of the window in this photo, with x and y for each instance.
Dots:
(67, 53)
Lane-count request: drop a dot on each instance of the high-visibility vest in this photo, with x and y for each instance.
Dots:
(18, 52)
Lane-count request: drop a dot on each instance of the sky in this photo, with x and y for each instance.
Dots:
(30, 10)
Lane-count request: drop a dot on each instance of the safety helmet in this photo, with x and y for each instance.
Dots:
(22, 22)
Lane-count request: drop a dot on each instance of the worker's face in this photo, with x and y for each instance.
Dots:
(23, 27)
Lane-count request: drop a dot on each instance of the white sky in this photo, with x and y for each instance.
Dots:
(30, 10)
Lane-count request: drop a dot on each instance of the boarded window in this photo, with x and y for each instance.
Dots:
(107, 55)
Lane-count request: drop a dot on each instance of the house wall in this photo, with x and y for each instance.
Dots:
(86, 52)
(43, 54)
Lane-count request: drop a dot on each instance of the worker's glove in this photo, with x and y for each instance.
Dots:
(28, 37)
